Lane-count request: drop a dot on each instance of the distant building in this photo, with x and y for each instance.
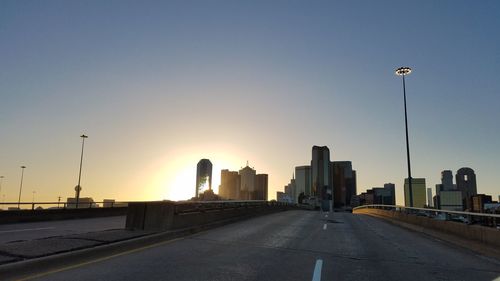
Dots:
(343, 179)
(247, 182)
(111, 203)
(429, 197)
(229, 184)
(261, 182)
(450, 200)
(418, 192)
(203, 176)
(83, 202)
(447, 180)
(383, 195)
(303, 180)
(466, 183)
(320, 176)
(283, 197)
(391, 188)
(478, 202)
(290, 190)
(367, 198)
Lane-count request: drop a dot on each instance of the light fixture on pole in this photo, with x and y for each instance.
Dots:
(21, 187)
(403, 71)
(78, 188)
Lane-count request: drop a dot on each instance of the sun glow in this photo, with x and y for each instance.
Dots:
(176, 178)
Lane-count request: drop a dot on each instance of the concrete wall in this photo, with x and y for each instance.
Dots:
(483, 234)
(58, 214)
(161, 216)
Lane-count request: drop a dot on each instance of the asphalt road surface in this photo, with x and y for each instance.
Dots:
(36, 230)
(294, 245)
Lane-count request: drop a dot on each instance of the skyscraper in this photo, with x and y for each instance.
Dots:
(466, 183)
(261, 182)
(247, 182)
(320, 174)
(229, 184)
(447, 180)
(303, 180)
(391, 188)
(343, 180)
(203, 176)
(429, 197)
(418, 192)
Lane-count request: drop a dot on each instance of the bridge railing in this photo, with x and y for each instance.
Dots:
(486, 219)
(180, 206)
(15, 206)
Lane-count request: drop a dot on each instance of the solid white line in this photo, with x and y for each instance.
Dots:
(324, 226)
(27, 229)
(317, 270)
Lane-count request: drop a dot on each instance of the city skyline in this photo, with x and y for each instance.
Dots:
(157, 87)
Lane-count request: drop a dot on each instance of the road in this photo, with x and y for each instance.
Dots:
(36, 230)
(293, 245)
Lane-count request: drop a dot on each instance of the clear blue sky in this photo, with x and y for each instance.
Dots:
(158, 85)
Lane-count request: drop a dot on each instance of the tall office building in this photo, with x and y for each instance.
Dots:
(447, 180)
(450, 200)
(247, 182)
(320, 176)
(342, 177)
(203, 176)
(418, 192)
(229, 184)
(429, 197)
(466, 183)
(261, 182)
(303, 180)
(391, 188)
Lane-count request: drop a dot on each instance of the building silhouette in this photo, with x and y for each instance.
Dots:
(261, 182)
(203, 176)
(229, 184)
(247, 182)
(303, 180)
(321, 186)
(343, 178)
(418, 192)
(466, 183)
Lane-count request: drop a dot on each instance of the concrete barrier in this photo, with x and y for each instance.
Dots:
(58, 214)
(487, 235)
(166, 215)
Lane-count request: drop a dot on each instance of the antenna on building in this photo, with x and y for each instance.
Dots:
(247, 163)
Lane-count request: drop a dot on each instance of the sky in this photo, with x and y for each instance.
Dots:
(159, 85)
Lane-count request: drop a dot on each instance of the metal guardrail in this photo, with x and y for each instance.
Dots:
(180, 206)
(15, 206)
(488, 219)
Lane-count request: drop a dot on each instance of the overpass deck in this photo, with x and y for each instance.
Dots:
(293, 245)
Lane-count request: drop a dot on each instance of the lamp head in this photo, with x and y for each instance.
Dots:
(404, 70)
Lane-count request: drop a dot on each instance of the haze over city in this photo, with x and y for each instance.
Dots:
(157, 87)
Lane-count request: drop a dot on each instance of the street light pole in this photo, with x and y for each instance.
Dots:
(78, 188)
(21, 187)
(403, 71)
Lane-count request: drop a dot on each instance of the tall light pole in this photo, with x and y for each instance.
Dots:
(78, 188)
(403, 71)
(21, 187)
